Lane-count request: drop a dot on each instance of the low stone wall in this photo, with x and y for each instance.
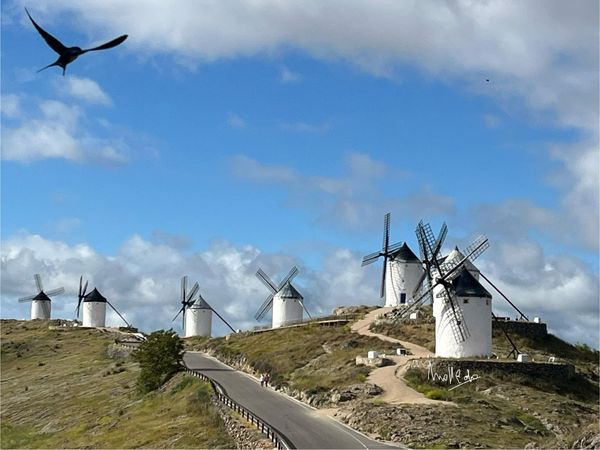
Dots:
(531, 329)
(534, 369)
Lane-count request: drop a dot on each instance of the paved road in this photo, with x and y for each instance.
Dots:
(296, 421)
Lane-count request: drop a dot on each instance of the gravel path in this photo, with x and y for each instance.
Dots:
(389, 378)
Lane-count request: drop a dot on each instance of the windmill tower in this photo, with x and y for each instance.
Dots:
(475, 305)
(197, 314)
(94, 307)
(41, 302)
(401, 269)
(198, 319)
(284, 299)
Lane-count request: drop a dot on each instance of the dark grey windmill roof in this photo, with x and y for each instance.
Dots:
(41, 297)
(466, 285)
(94, 296)
(404, 253)
(289, 291)
(200, 303)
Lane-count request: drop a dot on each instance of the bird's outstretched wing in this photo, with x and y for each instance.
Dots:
(54, 43)
(110, 44)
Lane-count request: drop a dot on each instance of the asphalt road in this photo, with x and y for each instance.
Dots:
(296, 421)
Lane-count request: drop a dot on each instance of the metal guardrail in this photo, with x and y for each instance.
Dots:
(280, 441)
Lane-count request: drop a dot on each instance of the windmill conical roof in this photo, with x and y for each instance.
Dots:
(466, 285)
(404, 253)
(94, 296)
(289, 291)
(456, 253)
(200, 303)
(42, 297)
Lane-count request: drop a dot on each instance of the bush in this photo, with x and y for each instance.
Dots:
(160, 357)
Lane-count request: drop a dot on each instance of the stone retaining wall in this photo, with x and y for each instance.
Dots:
(530, 329)
(535, 369)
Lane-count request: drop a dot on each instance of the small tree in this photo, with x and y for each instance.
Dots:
(160, 357)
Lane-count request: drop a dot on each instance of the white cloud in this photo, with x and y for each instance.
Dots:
(559, 289)
(10, 105)
(142, 281)
(546, 51)
(491, 120)
(84, 89)
(235, 121)
(305, 127)
(288, 76)
(58, 132)
(248, 168)
(142, 278)
(354, 200)
(67, 224)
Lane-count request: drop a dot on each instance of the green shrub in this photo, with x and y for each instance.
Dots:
(160, 357)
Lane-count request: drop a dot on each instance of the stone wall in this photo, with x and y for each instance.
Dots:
(530, 329)
(443, 366)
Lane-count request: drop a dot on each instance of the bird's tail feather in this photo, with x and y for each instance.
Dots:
(49, 65)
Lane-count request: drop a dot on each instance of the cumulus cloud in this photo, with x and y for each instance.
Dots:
(533, 48)
(560, 289)
(10, 105)
(353, 200)
(56, 131)
(85, 89)
(235, 121)
(142, 280)
(286, 75)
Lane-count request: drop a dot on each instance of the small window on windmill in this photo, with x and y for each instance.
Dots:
(487, 302)
(403, 298)
(465, 301)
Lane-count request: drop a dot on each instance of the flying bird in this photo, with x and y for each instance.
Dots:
(69, 54)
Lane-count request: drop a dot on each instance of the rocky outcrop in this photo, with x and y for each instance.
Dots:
(119, 352)
(373, 362)
(589, 439)
(354, 392)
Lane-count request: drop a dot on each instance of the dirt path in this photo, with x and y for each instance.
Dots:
(389, 378)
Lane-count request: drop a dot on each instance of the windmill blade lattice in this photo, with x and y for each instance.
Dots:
(386, 251)
(38, 282)
(268, 303)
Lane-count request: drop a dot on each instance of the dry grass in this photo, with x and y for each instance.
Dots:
(61, 390)
(310, 359)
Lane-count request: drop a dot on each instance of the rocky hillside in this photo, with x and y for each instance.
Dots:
(314, 363)
(497, 410)
(60, 389)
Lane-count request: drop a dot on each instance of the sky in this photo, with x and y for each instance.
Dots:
(225, 136)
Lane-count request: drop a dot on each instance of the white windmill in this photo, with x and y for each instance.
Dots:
(475, 304)
(41, 302)
(401, 269)
(461, 305)
(284, 299)
(94, 307)
(197, 313)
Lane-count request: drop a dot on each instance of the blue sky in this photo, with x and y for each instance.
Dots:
(219, 137)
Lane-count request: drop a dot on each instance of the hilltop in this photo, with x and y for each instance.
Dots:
(500, 410)
(61, 389)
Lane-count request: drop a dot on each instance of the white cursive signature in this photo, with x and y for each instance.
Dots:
(451, 377)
